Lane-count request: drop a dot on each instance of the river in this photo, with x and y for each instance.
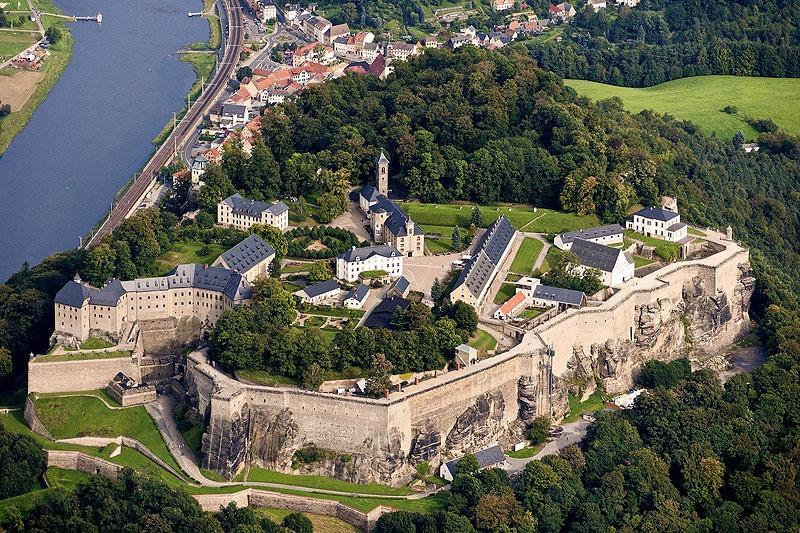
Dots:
(94, 131)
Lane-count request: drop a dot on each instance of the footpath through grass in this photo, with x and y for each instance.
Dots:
(700, 99)
(79, 416)
(321, 482)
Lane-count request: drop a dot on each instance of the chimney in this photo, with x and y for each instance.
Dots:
(386, 393)
(205, 266)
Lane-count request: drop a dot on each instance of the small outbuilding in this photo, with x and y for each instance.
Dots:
(491, 457)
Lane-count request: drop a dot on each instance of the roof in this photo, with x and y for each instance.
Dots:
(491, 247)
(383, 159)
(595, 255)
(559, 295)
(73, 294)
(209, 278)
(656, 213)
(676, 227)
(591, 233)
(321, 288)
(486, 458)
(381, 315)
(396, 222)
(359, 292)
(364, 253)
(339, 29)
(466, 348)
(401, 285)
(245, 206)
(109, 295)
(511, 304)
(247, 254)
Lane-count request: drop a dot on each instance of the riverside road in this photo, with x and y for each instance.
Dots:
(130, 198)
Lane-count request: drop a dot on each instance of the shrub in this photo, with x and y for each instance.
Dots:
(730, 109)
(538, 431)
(297, 522)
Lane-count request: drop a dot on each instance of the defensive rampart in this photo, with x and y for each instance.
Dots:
(700, 304)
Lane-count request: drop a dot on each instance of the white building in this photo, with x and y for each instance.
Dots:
(356, 297)
(268, 12)
(615, 266)
(660, 223)
(320, 292)
(357, 260)
(597, 5)
(242, 213)
(611, 234)
(198, 168)
(251, 258)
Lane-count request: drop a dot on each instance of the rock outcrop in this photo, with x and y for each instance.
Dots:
(481, 422)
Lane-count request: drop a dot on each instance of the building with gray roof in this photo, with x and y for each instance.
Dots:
(562, 298)
(355, 261)
(488, 255)
(251, 258)
(610, 234)
(614, 265)
(356, 297)
(659, 223)
(242, 213)
(319, 292)
(400, 287)
(492, 456)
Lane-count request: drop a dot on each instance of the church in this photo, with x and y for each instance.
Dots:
(388, 223)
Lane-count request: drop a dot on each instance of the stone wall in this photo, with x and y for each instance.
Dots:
(260, 498)
(700, 304)
(32, 419)
(79, 375)
(81, 462)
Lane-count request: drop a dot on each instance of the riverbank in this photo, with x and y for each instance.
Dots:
(203, 58)
(54, 66)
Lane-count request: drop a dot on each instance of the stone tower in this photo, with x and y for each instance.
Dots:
(383, 175)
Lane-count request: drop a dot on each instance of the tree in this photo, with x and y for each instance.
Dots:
(476, 217)
(273, 304)
(297, 522)
(471, 232)
(244, 72)
(455, 238)
(275, 267)
(660, 374)
(378, 378)
(217, 187)
(53, 34)
(313, 376)
(437, 291)
(468, 464)
(738, 140)
(319, 271)
(6, 364)
(465, 316)
(100, 264)
(22, 462)
(539, 430)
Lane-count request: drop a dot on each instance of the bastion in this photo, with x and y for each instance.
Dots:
(688, 306)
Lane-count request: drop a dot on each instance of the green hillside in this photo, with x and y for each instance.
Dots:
(701, 99)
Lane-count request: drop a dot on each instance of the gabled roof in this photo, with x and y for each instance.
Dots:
(245, 206)
(364, 253)
(592, 233)
(109, 295)
(676, 227)
(247, 254)
(401, 285)
(511, 304)
(559, 295)
(656, 213)
(479, 271)
(359, 293)
(595, 255)
(73, 294)
(381, 315)
(323, 287)
(486, 458)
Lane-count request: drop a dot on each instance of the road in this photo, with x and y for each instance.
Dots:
(574, 432)
(186, 128)
(40, 29)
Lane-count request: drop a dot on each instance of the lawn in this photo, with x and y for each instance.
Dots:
(83, 356)
(93, 343)
(538, 220)
(593, 403)
(444, 244)
(553, 254)
(672, 248)
(483, 340)
(78, 416)
(533, 312)
(64, 478)
(640, 261)
(696, 232)
(315, 321)
(322, 482)
(526, 452)
(331, 311)
(264, 377)
(526, 256)
(295, 268)
(188, 252)
(14, 42)
(321, 523)
(506, 292)
(701, 99)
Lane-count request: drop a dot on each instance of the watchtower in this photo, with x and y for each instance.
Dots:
(383, 175)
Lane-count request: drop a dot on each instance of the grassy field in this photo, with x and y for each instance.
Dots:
(54, 65)
(14, 42)
(506, 292)
(701, 99)
(526, 452)
(593, 403)
(58, 358)
(483, 340)
(526, 255)
(78, 416)
(444, 216)
(321, 482)
(321, 523)
(639, 261)
(188, 252)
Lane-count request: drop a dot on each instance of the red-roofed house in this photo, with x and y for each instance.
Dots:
(512, 307)
(312, 52)
(502, 5)
(334, 32)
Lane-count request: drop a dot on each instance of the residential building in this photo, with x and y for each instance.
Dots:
(400, 51)
(319, 292)
(389, 224)
(561, 12)
(542, 295)
(335, 32)
(369, 52)
(457, 41)
(658, 222)
(431, 41)
(241, 213)
(357, 260)
(316, 52)
(399, 287)
(502, 5)
(235, 114)
(629, 3)
(610, 234)
(750, 147)
(491, 457)
(189, 290)
(489, 254)
(268, 12)
(316, 27)
(381, 316)
(597, 5)
(198, 168)
(512, 307)
(615, 266)
(251, 258)
(356, 297)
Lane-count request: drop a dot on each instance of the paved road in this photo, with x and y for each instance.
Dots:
(186, 127)
(40, 29)
(574, 432)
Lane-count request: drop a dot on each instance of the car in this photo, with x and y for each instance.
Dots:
(142, 206)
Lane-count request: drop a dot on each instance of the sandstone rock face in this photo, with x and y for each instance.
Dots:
(528, 397)
(481, 422)
(426, 444)
(224, 445)
(273, 437)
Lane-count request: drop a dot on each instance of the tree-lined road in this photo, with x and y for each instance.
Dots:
(131, 197)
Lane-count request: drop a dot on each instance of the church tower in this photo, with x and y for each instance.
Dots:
(383, 175)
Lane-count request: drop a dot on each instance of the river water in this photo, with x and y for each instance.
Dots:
(94, 131)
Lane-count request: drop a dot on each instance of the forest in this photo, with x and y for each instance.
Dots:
(658, 41)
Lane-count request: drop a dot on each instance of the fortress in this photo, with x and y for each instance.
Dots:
(699, 304)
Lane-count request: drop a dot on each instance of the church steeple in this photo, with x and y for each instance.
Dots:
(383, 175)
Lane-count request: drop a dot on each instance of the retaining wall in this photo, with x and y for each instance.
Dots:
(70, 376)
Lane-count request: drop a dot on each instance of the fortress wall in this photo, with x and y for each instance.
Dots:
(69, 376)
